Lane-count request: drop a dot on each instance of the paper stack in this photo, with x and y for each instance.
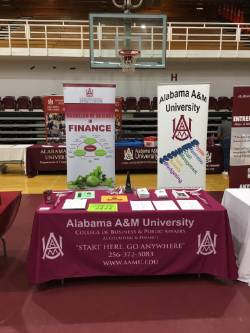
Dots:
(143, 193)
(74, 204)
(180, 194)
(161, 194)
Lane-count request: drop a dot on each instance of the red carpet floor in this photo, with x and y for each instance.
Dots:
(154, 304)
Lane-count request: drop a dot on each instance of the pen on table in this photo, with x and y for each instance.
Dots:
(58, 200)
(59, 196)
(202, 199)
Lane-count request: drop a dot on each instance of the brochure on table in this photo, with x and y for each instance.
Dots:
(83, 200)
(90, 135)
(182, 135)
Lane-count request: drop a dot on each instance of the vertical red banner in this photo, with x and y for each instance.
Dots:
(54, 119)
(240, 139)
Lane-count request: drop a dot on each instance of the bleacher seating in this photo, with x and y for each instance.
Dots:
(213, 104)
(231, 102)
(36, 103)
(224, 103)
(144, 104)
(23, 103)
(130, 104)
(9, 103)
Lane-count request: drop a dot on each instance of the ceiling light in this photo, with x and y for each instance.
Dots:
(199, 8)
(143, 26)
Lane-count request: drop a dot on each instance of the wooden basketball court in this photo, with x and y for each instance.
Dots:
(16, 180)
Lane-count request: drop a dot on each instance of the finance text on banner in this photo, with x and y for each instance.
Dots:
(239, 175)
(182, 135)
(90, 135)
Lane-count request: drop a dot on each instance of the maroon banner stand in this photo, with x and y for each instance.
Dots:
(240, 139)
(54, 119)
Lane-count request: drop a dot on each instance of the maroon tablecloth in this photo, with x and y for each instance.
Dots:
(214, 159)
(45, 158)
(53, 158)
(78, 243)
(131, 158)
(9, 205)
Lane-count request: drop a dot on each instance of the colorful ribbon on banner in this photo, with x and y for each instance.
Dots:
(173, 160)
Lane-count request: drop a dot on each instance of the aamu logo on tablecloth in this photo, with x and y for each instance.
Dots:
(248, 173)
(207, 244)
(208, 157)
(182, 130)
(128, 154)
(52, 249)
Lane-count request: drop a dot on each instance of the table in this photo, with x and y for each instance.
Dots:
(45, 158)
(13, 153)
(79, 243)
(9, 205)
(53, 158)
(237, 203)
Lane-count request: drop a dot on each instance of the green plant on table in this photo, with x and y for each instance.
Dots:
(93, 179)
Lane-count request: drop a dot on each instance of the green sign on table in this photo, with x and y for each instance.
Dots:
(102, 207)
(85, 195)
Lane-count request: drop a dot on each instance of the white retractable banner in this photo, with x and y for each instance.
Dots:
(182, 135)
(90, 135)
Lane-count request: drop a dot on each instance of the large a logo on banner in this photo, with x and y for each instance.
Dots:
(182, 131)
(182, 135)
(52, 247)
(207, 244)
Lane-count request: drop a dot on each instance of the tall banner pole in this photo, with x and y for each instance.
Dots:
(182, 135)
(90, 135)
(239, 175)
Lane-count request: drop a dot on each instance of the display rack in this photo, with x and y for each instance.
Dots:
(22, 127)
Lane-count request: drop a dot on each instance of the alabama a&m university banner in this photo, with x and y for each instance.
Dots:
(182, 135)
(239, 175)
(90, 135)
